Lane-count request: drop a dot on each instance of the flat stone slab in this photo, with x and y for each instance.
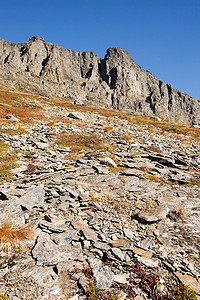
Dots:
(118, 253)
(65, 237)
(189, 280)
(120, 243)
(142, 253)
(83, 226)
(148, 262)
(121, 278)
(152, 215)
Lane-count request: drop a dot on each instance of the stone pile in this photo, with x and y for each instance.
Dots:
(101, 211)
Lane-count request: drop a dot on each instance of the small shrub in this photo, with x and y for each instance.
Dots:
(195, 180)
(31, 168)
(149, 281)
(95, 293)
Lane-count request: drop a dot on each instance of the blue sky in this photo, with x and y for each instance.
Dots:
(162, 36)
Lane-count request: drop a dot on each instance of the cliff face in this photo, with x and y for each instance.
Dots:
(115, 81)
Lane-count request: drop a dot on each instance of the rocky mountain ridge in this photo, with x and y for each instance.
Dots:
(115, 81)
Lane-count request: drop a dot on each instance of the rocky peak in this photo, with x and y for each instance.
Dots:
(36, 38)
(114, 81)
(117, 53)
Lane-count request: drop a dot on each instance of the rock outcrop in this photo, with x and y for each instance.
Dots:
(115, 81)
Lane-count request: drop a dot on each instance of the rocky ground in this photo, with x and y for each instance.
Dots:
(99, 217)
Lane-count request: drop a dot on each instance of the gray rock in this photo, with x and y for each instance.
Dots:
(109, 161)
(46, 252)
(118, 253)
(33, 198)
(12, 118)
(52, 227)
(156, 118)
(103, 276)
(41, 145)
(65, 237)
(128, 233)
(148, 262)
(76, 115)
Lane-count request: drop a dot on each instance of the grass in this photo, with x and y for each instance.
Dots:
(95, 293)
(10, 238)
(8, 161)
(2, 297)
(161, 180)
(195, 180)
(23, 107)
(116, 169)
(78, 142)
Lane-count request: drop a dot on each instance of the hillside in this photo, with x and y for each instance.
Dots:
(114, 81)
(96, 203)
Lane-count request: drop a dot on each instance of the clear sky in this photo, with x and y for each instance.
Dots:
(162, 36)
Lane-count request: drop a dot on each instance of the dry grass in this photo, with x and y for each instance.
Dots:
(23, 107)
(145, 169)
(7, 162)
(72, 156)
(154, 149)
(79, 141)
(107, 147)
(10, 238)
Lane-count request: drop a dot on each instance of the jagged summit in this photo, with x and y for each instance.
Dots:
(118, 53)
(114, 81)
(36, 38)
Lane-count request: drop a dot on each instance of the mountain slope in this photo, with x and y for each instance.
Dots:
(114, 81)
